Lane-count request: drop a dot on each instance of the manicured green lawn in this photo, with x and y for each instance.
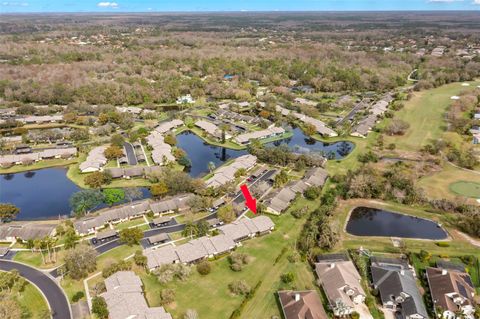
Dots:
(425, 113)
(130, 223)
(33, 301)
(438, 185)
(467, 189)
(209, 295)
(35, 259)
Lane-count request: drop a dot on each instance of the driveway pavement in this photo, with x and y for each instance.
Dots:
(56, 298)
(131, 157)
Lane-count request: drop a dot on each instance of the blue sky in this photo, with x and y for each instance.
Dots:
(225, 5)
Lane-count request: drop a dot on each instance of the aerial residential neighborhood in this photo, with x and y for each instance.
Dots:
(252, 159)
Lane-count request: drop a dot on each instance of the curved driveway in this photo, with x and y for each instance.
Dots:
(55, 296)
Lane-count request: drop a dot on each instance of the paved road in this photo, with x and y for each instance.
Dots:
(56, 298)
(132, 158)
(239, 199)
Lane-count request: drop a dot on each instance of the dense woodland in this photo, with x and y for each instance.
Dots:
(132, 60)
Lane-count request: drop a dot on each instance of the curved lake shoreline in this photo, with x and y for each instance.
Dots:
(374, 222)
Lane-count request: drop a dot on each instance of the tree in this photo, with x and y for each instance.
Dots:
(167, 296)
(8, 211)
(70, 239)
(132, 193)
(131, 236)
(424, 255)
(226, 213)
(240, 172)
(159, 189)
(9, 307)
(202, 228)
(140, 259)
(280, 179)
(310, 129)
(204, 267)
(97, 179)
(80, 261)
(117, 140)
(190, 229)
(113, 152)
(80, 135)
(82, 201)
(312, 192)
(113, 195)
(185, 161)
(99, 307)
(239, 287)
(170, 139)
(288, 277)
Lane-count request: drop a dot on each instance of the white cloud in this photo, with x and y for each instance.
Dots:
(477, 2)
(14, 4)
(107, 5)
(445, 1)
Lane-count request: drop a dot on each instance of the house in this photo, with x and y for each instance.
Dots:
(205, 247)
(208, 247)
(259, 135)
(301, 304)
(32, 119)
(95, 160)
(303, 101)
(125, 298)
(162, 221)
(129, 109)
(226, 174)
(105, 235)
(396, 284)
(211, 129)
(185, 99)
(158, 239)
(279, 200)
(452, 293)
(303, 89)
(341, 283)
(320, 126)
(316, 176)
(170, 205)
(12, 232)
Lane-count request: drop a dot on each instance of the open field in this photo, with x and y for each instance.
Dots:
(438, 184)
(467, 189)
(425, 113)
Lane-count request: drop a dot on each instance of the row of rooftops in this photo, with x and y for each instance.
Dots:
(269, 132)
(40, 118)
(136, 171)
(206, 246)
(280, 199)
(365, 125)
(90, 224)
(95, 160)
(210, 128)
(11, 159)
(25, 231)
(226, 174)
(320, 126)
(161, 150)
(125, 298)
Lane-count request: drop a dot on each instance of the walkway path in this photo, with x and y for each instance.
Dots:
(56, 298)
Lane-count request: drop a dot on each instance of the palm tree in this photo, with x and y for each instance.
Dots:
(38, 244)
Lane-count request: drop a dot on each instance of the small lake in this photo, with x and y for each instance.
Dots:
(41, 194)
(201, 153)
(366, 221)
(301, 143)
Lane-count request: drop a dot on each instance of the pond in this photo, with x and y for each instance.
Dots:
(41, 194)
(201, 153)
(365, 221)
(300, 143)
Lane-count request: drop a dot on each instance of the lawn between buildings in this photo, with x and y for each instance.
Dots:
(32, 300)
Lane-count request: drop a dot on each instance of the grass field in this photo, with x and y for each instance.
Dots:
(212, 298)
(425, 113)
(38, 165)
(467, 189)
(33, 302)
(438, 184)
(35, 259)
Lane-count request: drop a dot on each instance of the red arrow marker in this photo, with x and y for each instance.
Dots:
(250, 202)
